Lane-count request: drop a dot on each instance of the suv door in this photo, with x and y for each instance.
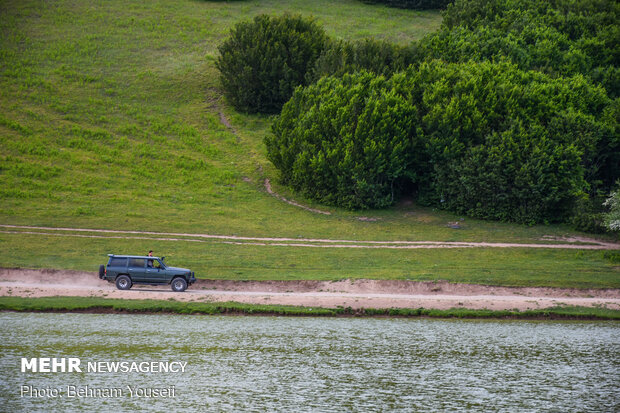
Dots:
(155, 272)
(137, 269)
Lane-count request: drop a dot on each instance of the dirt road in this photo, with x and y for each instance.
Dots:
(545, 242)
(347, 293)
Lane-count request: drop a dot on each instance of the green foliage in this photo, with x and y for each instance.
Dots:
(612, 218)
(484, 139)
(512, 176)
(559, 37)
(413, 4)
(521, 139)
(503, 143)
(588, 215)
(263, 61)
(345, 141)
(564, 39)
(380, 57)
(613, 256)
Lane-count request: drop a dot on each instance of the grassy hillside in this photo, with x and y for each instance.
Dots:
(111, 117)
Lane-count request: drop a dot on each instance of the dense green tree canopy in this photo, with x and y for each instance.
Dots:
(263, 61)
(510, 111)
(486, 139)
(377, 56)
(413, 4)
(559, 37)
(345, 141)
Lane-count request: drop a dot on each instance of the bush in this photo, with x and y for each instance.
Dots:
(513, 176)
(345, 141)
(379, 57)
(413, 4)
(488, 140)
(559, 37)
(588, 216)
(612, 218)
(504, 143)
(613, 256)
(263, 61)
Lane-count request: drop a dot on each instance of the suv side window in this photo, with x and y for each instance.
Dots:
(136, 262)
(117, 262)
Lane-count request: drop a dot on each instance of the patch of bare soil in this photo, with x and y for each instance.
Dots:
(224, 120)
(329, 294)
(577, 240)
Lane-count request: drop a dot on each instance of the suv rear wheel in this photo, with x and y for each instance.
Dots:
(178, 284)
(123, 282)
(101, 271)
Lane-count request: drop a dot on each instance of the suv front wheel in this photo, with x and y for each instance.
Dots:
(123, 282)
(178, 284)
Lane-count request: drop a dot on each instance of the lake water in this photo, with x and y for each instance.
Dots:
(313, 364)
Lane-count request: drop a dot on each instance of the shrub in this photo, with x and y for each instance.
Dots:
(588, 215)
(513, 176)
(559, 37)
(613, 256)
(612, 218)
(413, 4)
(485, 139)
(345, 141)
(263, 61)
(505, 143)
(379, 57)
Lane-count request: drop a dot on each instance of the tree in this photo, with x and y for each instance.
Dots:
(413, 4)
(558, 37)
(264, 60)
(612, 218)
(345, 141)
(378, 56)
(503, 143)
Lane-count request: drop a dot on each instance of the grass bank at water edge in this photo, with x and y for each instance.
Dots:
(105, 305)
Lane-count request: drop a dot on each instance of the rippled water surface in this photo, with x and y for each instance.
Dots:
(318, 364)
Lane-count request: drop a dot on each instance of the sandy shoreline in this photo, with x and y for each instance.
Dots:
(327, 294)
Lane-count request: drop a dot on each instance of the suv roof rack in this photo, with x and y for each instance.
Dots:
(136, 256)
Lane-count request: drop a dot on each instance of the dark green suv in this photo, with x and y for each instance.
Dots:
(127, 270)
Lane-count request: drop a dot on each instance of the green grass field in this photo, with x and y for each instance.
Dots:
(110, 117)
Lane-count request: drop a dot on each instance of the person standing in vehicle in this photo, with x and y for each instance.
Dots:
(149, 263)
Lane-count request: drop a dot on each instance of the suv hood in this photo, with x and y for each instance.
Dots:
(177, 269)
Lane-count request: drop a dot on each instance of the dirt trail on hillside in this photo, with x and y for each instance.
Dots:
(549, 242)
(347, 293)
(288, 201)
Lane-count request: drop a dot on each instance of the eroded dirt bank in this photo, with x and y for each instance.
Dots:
(328, 294)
